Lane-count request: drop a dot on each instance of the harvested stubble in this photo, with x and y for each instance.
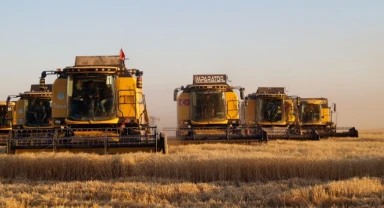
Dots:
(331, 159)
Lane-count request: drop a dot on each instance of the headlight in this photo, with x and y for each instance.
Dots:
(234, 121)
(186, 122)
(57, 122)
(189, 126)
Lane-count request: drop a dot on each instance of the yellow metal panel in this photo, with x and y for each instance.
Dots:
(126, 97)
(59, 99)
(183, 106)
(326, 115)
(127, 102)
(233, 106)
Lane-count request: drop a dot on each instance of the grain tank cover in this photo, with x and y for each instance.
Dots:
(210, 79)
(98, 61)
(36, 87)
(270, 90)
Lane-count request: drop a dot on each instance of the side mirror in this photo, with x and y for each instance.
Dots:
(43, 74)
(242, 93)
(334, 107)
(175, 94)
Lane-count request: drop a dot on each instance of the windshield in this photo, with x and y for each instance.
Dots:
(38, 111)
(91, 97)
(270, 109)
(208, 106)
(310, 112)
(5, 116)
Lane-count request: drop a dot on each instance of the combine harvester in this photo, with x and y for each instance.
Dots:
(33, 117)
(276, 112)
(98, 106)
(7, 116)
(316, 115)
(208, 111)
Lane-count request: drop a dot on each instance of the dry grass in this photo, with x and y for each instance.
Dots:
(333, 172)
(332, 159)
(139, 192)
(354, 192)
(184, 167)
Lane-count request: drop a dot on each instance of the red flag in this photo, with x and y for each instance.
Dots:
(122, 55)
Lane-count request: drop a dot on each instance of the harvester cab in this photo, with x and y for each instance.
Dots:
(316, 114)
(273, 110)
(209, 110)
(98, 106)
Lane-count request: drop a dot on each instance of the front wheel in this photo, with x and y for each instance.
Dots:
(164, 143)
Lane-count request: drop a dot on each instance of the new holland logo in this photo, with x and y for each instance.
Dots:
(60, 96)
(184, 102)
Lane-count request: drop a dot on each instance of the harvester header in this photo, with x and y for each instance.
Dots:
(209, 79)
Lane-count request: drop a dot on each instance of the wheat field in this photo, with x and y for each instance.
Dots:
(333, 172)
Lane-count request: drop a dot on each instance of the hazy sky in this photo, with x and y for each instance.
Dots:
(328, 49)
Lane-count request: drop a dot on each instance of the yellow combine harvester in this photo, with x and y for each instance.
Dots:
(316, 115)
(208, 110)
(7, 117)
(275, 111)
(98, 106)
(33, 117)
(33, 109)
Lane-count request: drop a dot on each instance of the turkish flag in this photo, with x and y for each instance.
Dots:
(122, 55)
(184, 101)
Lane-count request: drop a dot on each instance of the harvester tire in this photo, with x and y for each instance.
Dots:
(315, 135)
(264, 136)
(353, 132)
(164, 143)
